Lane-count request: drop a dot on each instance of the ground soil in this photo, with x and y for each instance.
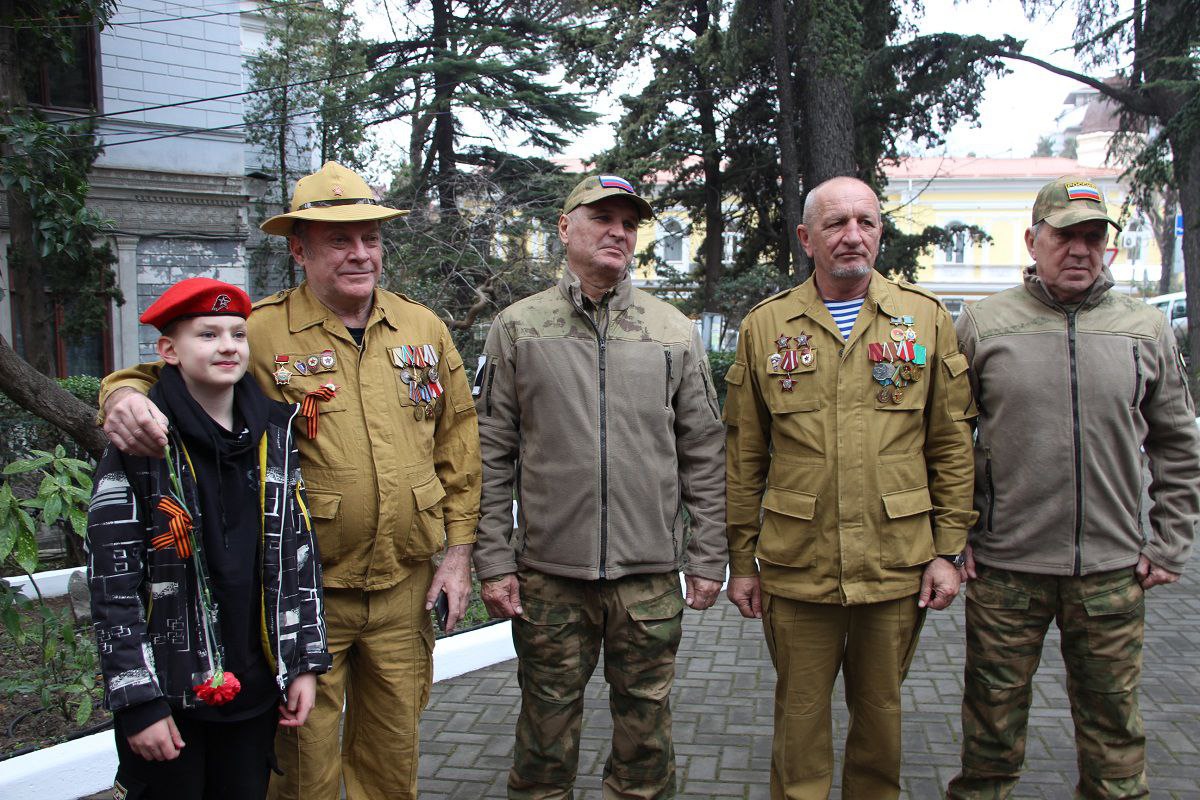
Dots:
(24, 726)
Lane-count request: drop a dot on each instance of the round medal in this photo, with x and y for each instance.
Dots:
(897, 395)
(881, 372)
(419, 413)
(910, 335)
(327, 361)
(897, 335)
(432, 375)
(406, 376)
(884, 395)
(313, 362)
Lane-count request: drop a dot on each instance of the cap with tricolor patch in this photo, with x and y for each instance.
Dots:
(1069, 201)
(597, 187)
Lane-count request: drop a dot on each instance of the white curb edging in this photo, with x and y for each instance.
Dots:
(87, 765)
(52, 583)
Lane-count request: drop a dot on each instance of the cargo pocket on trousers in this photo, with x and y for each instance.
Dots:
(647, 658)
(428, 532)
(1111, 654)
(907, 538)
(788, 537)
(549, 651)
(994, 609)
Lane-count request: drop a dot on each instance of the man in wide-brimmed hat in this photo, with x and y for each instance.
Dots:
(390, 450)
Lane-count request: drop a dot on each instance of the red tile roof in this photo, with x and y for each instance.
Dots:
(1048, 167)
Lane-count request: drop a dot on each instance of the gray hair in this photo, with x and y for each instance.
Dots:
(810, 204)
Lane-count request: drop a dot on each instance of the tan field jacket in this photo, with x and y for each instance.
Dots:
(841, 496)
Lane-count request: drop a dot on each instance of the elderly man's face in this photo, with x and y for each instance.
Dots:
(842, 233)
(341, 260)
(600, 239)
(1068, 259)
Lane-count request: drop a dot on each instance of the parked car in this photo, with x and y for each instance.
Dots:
(1174, 305)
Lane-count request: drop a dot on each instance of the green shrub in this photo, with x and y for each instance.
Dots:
(719, 361)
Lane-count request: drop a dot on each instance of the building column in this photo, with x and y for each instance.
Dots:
(125, 317)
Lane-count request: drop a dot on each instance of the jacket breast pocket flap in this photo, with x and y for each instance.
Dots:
(323, 505)
(907, 502)
(781, 402)
(790, 503)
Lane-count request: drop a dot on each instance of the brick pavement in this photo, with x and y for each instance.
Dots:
(723, 702)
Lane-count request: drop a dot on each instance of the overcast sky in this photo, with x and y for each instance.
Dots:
(1017, 110)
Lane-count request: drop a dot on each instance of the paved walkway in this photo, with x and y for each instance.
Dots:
(723, 705)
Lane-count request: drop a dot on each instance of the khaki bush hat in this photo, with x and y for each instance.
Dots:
(1069, 201)
(332, 194)
(597, 187)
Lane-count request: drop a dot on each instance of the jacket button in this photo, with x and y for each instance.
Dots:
(841, 352)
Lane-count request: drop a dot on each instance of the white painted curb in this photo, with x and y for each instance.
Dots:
(52, 583)
(85, 766)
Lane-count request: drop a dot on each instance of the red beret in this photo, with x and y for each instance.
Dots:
(197, 297)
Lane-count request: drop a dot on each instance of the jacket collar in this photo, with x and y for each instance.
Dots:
(305, 311)
(881, 293)
(621, 295)
(1037, 287)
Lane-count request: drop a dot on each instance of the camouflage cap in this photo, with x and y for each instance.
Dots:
(597, 187)
(331, 194)
(1070, 200)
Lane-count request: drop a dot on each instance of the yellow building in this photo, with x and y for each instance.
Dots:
(997, 195)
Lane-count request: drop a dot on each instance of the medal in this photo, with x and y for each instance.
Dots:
(282, 376)
(313, 362)
(782, 342)
(897, 335)
(897, 395)
(300, 367)
(418, 413)
(910, 335)
(786, 383)
(918, 355)
(807, 358)
(884, 395)
(773, 362)
(432, 375)
(881, 373)
(789, 361)
(328, 361)
(802, 340)
(406, 376)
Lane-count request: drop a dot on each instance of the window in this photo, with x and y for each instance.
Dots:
(73, 85)
(670, 242)
(955, 251)
(1179, 310)
(731, 242)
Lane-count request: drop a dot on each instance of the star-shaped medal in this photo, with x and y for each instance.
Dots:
(787, 384)
(782, 342)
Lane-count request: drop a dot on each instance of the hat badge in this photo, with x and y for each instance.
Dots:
(337, 190)
(221, 303)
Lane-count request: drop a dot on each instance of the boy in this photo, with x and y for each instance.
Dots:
(204, 571)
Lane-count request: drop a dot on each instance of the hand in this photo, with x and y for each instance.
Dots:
(701, 592)
(746, 594)
(134, 424)
(160, 742)
(301, 695)
(939, 585)
(967, 571)
(502, 596)
(1149, 575)
(453, 576)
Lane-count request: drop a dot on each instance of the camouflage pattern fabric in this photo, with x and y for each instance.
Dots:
(1102, 618)
(638, 622)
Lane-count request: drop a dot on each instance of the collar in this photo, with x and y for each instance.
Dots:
(305, 311)
(620, 296)
(1037, 287)
(881, 293)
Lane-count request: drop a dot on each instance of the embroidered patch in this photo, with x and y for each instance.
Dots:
(1083, 190)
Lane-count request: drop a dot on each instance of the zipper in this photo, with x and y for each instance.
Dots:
(1137, 374)
(1077, 437)
(990, 488)
(601, 366)
(667, 398)
(487, 396)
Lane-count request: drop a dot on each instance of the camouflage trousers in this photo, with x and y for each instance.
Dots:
(872, 645)
(1101, 618)
(638, 622)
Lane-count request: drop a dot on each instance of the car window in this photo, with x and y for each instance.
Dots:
(1179, 310)
(1161, 306)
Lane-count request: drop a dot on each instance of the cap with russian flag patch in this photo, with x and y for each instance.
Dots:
(1069, 201)
(594, 188)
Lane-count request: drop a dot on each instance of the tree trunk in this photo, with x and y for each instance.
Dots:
(1164, 231)
(1186, 159)
(785, 124)
(41, 396)
(32, 311)
(713, 248)
(826, 98)
(443, 126)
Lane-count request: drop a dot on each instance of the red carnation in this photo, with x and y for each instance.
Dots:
(219, 689)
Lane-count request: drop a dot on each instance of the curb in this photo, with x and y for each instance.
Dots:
(87, 765)
(52, 583)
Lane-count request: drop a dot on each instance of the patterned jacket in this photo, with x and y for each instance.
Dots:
(145, 602)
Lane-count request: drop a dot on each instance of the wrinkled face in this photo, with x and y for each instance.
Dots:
(1069, 259)
(600, 239)
(210, 351)
(841, 234)
(341, 260)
